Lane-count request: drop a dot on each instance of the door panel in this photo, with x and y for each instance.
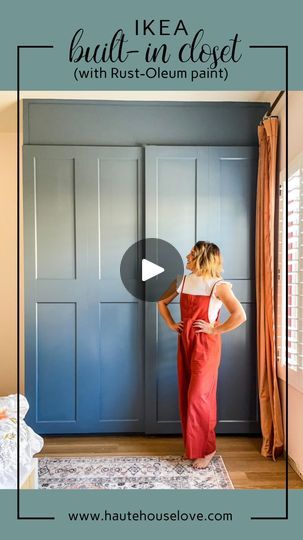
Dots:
(56, 241)
(83, 330)
(120, 362)
(56, 353)
(238, 411)
(167, 387)
(231, 196)
(204, 193)
(176, 180)
(118, 209)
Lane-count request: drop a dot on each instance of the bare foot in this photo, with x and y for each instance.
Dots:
(202, 463)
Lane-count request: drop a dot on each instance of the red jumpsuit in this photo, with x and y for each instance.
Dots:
(198, 362)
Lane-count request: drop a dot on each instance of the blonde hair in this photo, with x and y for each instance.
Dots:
(207, 259)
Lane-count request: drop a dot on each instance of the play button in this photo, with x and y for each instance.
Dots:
(149, 268)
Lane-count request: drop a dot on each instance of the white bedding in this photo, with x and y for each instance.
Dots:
(30, 442)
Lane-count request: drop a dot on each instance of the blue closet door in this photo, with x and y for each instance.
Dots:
(83, 331)
(88, 367)
(204, 193)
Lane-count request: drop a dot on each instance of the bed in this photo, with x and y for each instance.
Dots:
(30, 444)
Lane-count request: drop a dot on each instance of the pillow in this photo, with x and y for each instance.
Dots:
(3, 414)
(10, 404)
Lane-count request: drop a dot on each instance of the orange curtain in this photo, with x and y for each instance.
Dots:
(270, 406)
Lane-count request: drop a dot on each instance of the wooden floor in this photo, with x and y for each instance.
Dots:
(241, 455)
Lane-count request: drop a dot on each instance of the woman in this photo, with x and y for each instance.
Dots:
(199, 346)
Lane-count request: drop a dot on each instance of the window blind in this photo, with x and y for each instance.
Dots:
(290, 251)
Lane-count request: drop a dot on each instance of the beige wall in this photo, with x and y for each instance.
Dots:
(295, 146)
(8, 258)
(8, 247)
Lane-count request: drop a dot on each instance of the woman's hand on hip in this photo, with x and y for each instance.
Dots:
(177, 327)
(203, 326)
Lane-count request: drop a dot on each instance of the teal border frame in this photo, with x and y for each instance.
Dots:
(19, 517)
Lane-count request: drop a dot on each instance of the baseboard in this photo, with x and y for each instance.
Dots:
(293, 465)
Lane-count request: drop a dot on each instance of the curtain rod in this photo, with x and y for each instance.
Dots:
(269, 111)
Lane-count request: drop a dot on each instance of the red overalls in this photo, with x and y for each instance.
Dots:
(198, 362)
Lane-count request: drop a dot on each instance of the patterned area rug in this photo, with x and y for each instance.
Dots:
(131, 472)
